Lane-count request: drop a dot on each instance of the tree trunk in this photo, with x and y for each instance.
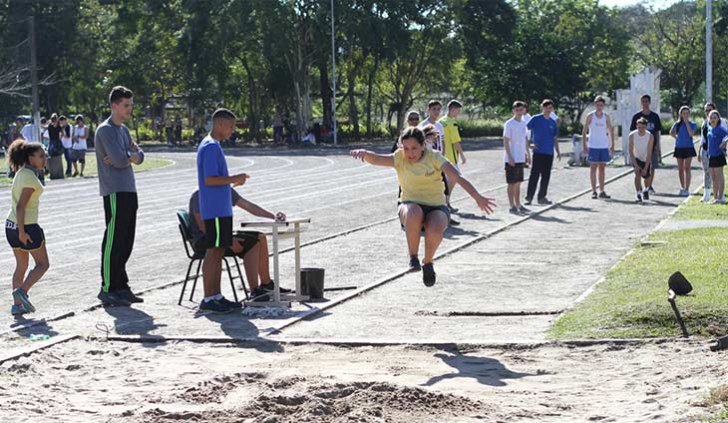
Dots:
(353, 111)
(370, 86)
(252, 98)
(326, 92)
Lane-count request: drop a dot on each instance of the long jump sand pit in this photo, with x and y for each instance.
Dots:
(93, 381)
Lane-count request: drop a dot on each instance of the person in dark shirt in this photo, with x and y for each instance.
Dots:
(55, 147)
(654, 126)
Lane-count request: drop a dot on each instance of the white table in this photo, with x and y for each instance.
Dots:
(290, 228)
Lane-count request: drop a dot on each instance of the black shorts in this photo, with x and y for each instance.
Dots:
(514, 174)
(78, 156)
(218, 233)
(684, 153)
(34, 231)
(642, 164)
(717, 161)
(427, 209)
(247, 238)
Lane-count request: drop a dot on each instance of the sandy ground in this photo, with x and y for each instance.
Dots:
(91, 381)
(95, 381)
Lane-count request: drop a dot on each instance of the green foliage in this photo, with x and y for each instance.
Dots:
(258, 56)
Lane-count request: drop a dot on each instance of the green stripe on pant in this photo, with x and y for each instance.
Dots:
(109, 242)
(217, 232)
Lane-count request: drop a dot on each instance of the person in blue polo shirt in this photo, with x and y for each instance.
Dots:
(216, 209)
(544, 132)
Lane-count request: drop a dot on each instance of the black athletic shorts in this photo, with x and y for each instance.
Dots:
(218, 232)
(514, 174)
(247, 238)
(717, 161)
(684, 153)
(641, 164)
(426, 210)
(34, 231)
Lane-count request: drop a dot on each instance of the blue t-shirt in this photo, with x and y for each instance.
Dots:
(214, 200)
(684, 140)
(544, 132)
(715, 137)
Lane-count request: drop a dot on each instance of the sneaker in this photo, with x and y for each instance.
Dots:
(639, 198)
(129, 296)
(112, 299)
(75, 174)
(524, 210)
(646, 194)
(269, 287)
(706, 196)
(232, 304)
(414, 265)
(17, 310)
(544, 201)
(80, 174)
(718, 201)
(261, 294)
(429, 277)
(513, 210)
(527, 201)
(214, 306)
(594, 195)
(652, 190)
(604, 195)
(453, 209)
(454, 222)
(22, 297)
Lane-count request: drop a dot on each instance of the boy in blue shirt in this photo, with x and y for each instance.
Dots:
(544, 132)
(216, 208)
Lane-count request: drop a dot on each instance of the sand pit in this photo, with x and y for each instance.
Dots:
(92, 381)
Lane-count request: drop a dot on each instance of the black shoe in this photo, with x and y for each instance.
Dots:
(260, 294)
(214, 306)
(453, 209)
(269, 287)
(604, 195)
(414, 265)
(594, 195)
(646, 195)
(528, 201)
(129, 296)
(544, 201)
(429, 277)
(232, 304)
(112, 299)
(454, 222)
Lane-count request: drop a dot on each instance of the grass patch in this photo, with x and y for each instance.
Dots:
(695, 210)
(632, 301)
(92, 169)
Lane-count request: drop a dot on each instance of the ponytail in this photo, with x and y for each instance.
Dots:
(20, 151)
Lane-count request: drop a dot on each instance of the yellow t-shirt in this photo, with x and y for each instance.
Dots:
(421, 182)
(451, 137)
(26, 178)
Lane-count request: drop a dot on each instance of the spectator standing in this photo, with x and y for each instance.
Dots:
(66, 141)
(115, 153)
(78, 152)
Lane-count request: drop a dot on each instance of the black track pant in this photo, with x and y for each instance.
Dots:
(120, 209)
(541, 168)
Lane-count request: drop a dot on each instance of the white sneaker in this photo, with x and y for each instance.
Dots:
(706, 196)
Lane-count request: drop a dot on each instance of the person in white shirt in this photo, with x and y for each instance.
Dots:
(516, 155)
(67, 141)
(78, 150)
(29, 132)
(599, 146)
(641, 143)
